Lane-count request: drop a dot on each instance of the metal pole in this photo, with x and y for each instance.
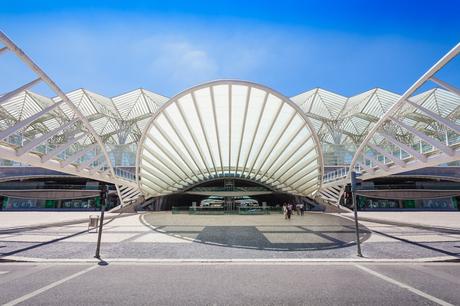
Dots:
(355, 211)
(99, 234)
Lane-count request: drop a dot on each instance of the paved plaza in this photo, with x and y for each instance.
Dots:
(179, 259)
(166, 236)
(12, 220)
(432, 219)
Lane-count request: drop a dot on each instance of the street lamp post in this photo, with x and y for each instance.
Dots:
(355, 211)
(99, 234)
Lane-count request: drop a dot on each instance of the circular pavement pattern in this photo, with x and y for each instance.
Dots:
(313, 231)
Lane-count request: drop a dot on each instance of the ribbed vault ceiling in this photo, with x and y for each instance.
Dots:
(229, 129)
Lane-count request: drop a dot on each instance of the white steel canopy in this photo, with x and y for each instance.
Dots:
(229, 129)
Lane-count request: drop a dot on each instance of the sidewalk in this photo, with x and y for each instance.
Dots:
(12, 220)
(433, 219)
(166, 237)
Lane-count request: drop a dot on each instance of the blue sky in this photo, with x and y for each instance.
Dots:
(111, 47)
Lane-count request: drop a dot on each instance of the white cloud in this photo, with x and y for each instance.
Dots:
(179, 61)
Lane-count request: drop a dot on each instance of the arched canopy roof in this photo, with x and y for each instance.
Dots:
(229, 129)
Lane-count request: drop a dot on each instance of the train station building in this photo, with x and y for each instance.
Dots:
(229, 144)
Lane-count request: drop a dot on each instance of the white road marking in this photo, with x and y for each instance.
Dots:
(48, 287)
(3, 272)
(405, 286)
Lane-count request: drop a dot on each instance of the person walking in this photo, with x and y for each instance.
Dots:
(302, 209)
(289, 211)
(285, 210)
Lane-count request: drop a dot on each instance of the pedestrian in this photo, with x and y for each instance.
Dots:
(297, 209)
(289, 211)
(302, 209)
(285, 210)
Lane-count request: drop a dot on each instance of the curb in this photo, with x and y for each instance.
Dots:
(20, 259)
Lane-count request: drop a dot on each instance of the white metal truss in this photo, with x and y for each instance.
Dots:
(229, 129)
(418, 131)
(18, 90)
(131, 195)
(80, 133)
(40, 131)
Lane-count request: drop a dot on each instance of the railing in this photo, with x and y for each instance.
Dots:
(451, 140)
(24, 186)
(24, 170)
(223, 211)
(339, 174)
(423, 148)
(254, 211)
(444, 186)
(128, 175)
(198, 189)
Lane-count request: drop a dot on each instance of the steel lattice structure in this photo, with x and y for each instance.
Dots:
(56, 133)
(416, 131)
(229, 129)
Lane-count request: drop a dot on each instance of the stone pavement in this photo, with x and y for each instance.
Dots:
(313, 231)
(19, 219)
(441, 219)
(164, 236)
(23, 219)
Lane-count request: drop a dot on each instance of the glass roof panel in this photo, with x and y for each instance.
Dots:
(206, 125)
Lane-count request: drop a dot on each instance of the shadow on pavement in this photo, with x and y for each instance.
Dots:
(269, 237)
(41, 244)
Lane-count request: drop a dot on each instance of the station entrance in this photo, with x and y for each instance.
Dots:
(227, 196)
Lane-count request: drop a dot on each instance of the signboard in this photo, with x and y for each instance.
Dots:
(19, 204)
(439, 204)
